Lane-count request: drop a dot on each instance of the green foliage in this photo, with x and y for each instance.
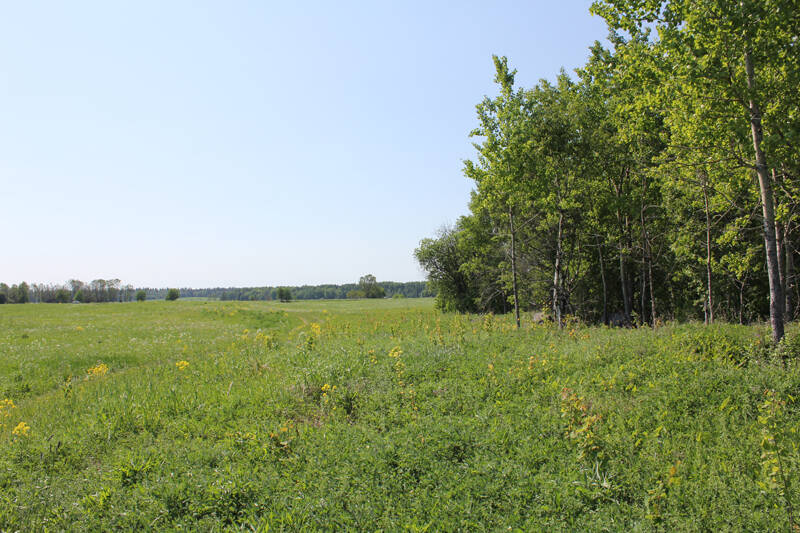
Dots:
(394, 417)
(284, 294)
(63, 296)
(444, 259)
(141, 295)
(172, 295)
(368, 285)
(646, 188)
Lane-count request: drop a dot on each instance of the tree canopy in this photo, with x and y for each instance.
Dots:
(658, 181)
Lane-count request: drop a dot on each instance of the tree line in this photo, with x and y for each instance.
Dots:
(658, 182)
(113, 290)
(98, 290)
(411, 289)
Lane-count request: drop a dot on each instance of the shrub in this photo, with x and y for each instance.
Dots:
(173, 294)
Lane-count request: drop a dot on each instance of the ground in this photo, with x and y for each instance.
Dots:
(387, 415)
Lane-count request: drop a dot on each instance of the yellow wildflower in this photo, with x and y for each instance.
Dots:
(21, 430)
(5, 407)
(100, 369)
(395, 352)
(182, 365)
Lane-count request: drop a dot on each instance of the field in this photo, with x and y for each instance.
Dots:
(387, 415)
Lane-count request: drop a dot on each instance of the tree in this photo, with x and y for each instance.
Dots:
(141, 295)
(63, 296)
(500, 169)
(369, 285)
(173, 294)
(19, 294)
(284, 294)
(443, 259)
(724, 62)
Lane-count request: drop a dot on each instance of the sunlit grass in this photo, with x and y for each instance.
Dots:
(385, 415)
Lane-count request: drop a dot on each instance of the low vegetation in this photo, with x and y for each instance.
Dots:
(384, 414)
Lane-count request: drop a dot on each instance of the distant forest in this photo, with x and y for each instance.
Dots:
(410, 289)
(112, 290)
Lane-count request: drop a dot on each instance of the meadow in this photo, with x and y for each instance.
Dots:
(388, 416)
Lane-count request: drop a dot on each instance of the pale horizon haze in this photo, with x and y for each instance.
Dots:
(205, 144)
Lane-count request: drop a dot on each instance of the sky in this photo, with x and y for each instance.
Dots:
(250, 143)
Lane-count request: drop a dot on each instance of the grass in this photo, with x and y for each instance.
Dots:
(385, 415)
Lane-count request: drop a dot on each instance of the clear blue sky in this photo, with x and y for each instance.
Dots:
(188, 143)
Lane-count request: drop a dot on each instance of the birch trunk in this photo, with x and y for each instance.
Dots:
(514, 264)
(776, 303)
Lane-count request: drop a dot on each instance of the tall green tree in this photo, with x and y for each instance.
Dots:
(725, 59)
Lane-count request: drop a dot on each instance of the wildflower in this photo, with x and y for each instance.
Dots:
(316, 329)
(5, 407)
(21, 430)
(182, 365)
(395, 352)
(78, 328)
(100, 369)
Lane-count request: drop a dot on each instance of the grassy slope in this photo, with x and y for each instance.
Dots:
(472, 426)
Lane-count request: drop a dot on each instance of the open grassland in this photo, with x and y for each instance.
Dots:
(386, 415)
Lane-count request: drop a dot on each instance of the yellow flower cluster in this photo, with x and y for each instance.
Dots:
(265, 339)
(182, 365)
(582, 422)
(5, 409)
(79, 328)
(100, 369)
(21, 430)
(325, 390)
(395, 352)
(316, 329)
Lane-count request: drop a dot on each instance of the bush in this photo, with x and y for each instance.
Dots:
(141, 296)
(173, 294)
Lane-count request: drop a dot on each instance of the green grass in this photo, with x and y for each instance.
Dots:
(385, 415)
